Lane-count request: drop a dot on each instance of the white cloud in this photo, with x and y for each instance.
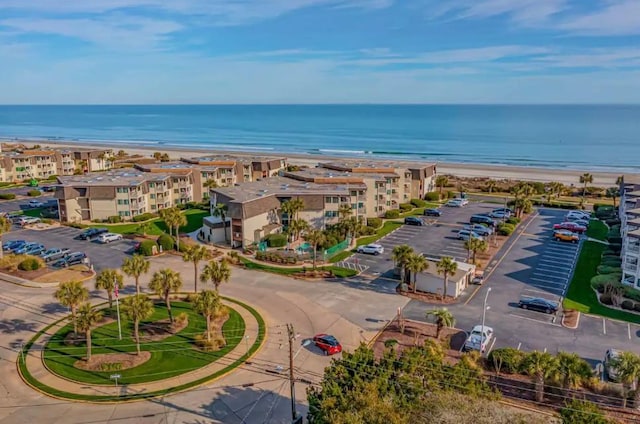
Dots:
(526, 12)
(617, 18)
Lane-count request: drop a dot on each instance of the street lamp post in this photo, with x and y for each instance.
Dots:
(484, 309)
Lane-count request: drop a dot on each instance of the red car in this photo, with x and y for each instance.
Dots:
(328, 344)
(571, 226)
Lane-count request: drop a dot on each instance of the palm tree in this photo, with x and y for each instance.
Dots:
(137, 308)
(144, 228)
(314, 238)
(441, 182)
(165, 215)
(134, 267)
(107, 280)
(416, 263)
(208, 304)
(473, 246)
(195, 254)
(399, 254)
(491, 185)
(71, 294)
(443, 317)
(297, 226)
(619, 180)
(217, 272)
(628, 367)
(87, 319)
(5, 227)
(539, 366)
(555, 189)
(164, 282)
(295, 206)
(220, 211)
(178, 220)
(572, 369)
(447, 267)
(585, 179)
(344, 211)
(613, 193)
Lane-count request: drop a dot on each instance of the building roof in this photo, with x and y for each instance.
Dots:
(230, 160)
(374, 166)
(282, 186)
(324, 175)
(462, 270)
(631, 179)
(173, 167)
(111, 178)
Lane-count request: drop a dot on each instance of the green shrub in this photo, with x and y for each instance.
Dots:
(514, 220)
(612, 222)
(614, 262)
(34, 193)
(506, 229)
(30, 264)
(636, 307)
(605, 299)
(418, 203)
(374, 222)
(7, 196)
(538, 187)
(75, 225)
(114, 219)
(390, 343)
(553, 204)
(406, 207)
(451, 194)
(146, 247)
(366, 231)
(630, 293)
(627, 305)
(616, 247)
(506, 360)
(604, 269)
(582, 412)
(143, 217)
(432, 196)
(599, 281)
(276, 240)
(392, 214)
(166, 242)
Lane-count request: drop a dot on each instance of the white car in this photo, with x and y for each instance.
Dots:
(500, 214)
(35, 204)
(371, 249)
(457, 203)
(109, 237)
(28, 220)
(574, 215)
(479, 340)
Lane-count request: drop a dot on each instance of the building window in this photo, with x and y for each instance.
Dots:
(122, 190)
(152, 185)
(331, 214)
(153, 207)
(152, 196)
(388, 203)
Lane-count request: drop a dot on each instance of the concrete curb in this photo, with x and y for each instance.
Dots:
(577, 322)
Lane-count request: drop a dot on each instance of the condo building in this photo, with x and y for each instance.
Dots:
(630, 230)
(238, 169)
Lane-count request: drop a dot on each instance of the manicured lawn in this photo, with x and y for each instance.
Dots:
(172, 356)
(157, 226)
(386, 228)
(337, 271)
(597, 230)
(420, 211)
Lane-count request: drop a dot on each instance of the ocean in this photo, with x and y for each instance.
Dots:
(598, 137)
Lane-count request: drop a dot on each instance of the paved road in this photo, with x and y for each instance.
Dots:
(525, 270)
(22, 204)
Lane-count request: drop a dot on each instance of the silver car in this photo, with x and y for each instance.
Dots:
(371, 249)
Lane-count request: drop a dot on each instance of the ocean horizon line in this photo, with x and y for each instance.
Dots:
(317, 104)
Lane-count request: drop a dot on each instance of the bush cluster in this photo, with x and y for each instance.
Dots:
(561, 205)
(406, 207)
(506, 229)
(143, 217)
(507, 360)
(7, 196)
(513, 220)
(418, 203)
(114, 219)
(374, 223)
(215, 344)
(432, 196)
(451, 194)
(392, 214)
(276, 257)
(276, 240)
(604, 269)
(146, 247)
(34, 193)
(166, 242)
(30, 264)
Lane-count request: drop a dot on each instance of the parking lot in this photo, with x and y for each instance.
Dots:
(437, 238)
(101, 256)
(8, 206)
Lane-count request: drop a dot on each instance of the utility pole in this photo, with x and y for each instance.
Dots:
(292, 381)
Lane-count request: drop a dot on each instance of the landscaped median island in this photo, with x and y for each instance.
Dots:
(166, 350)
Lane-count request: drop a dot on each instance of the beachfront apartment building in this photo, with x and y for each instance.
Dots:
(238, 169)
(123, 193)
(254, 209)
(45, 163)
(629, 211)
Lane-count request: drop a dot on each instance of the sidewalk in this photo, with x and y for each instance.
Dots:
(35, 365)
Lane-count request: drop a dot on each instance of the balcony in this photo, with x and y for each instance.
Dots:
(632, 249)
(631, 267)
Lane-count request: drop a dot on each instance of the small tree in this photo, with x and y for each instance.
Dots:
(571, 369)
(491, 185)
(539, 366)
(315, 238)
(585, 179)
(134, 267)
(195, 254)
(443, 318)
(137, 308)
(446, 267)
(165, 282)
(107, 280)
(297, 226)
(144, 228)
(400, 254)
(473, 246)
(87, 319)
(628, 368)
(582, 412)
(71, 294)
(178, 219)
(441, 182)
(208, 304)
(5, 227)
(220, 211)
(217, 272)
(416, 263)
(613, 193)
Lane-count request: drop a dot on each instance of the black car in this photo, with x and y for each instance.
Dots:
(412, 220)
(432, 212)
(72, 259)
(539, 304)
(91, 233)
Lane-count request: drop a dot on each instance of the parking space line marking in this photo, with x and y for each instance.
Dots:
(536, 291)
(604, 326)
(550, 271)
(555, 266)
(534, 320)
(558, 253)
(549, 283)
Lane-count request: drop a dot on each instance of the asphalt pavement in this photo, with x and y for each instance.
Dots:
(8, 206)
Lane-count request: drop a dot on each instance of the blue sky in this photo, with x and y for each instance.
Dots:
(319, 51)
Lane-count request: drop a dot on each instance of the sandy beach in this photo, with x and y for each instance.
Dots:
(468, 170)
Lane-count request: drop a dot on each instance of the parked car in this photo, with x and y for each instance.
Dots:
(466, 235)
(14, 244)
(28, 220)
(90, 233)
(582, 222)
(412, 220)
(327, 343)
(566, 235)
(371, 249)
(538, 304)
(71, 259)
(457, 203)
(35, 249)
(610, 357)
(506, 211)
(578, 215)
(15, 216)
(482, 219)
(478, 278)
(499, 215)
(109, 237)
(478, 339)
(54, 254)
(23, 249)
(479, 229)
(571, 226)
(432, 212)
(48, 188)
(35, 204)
